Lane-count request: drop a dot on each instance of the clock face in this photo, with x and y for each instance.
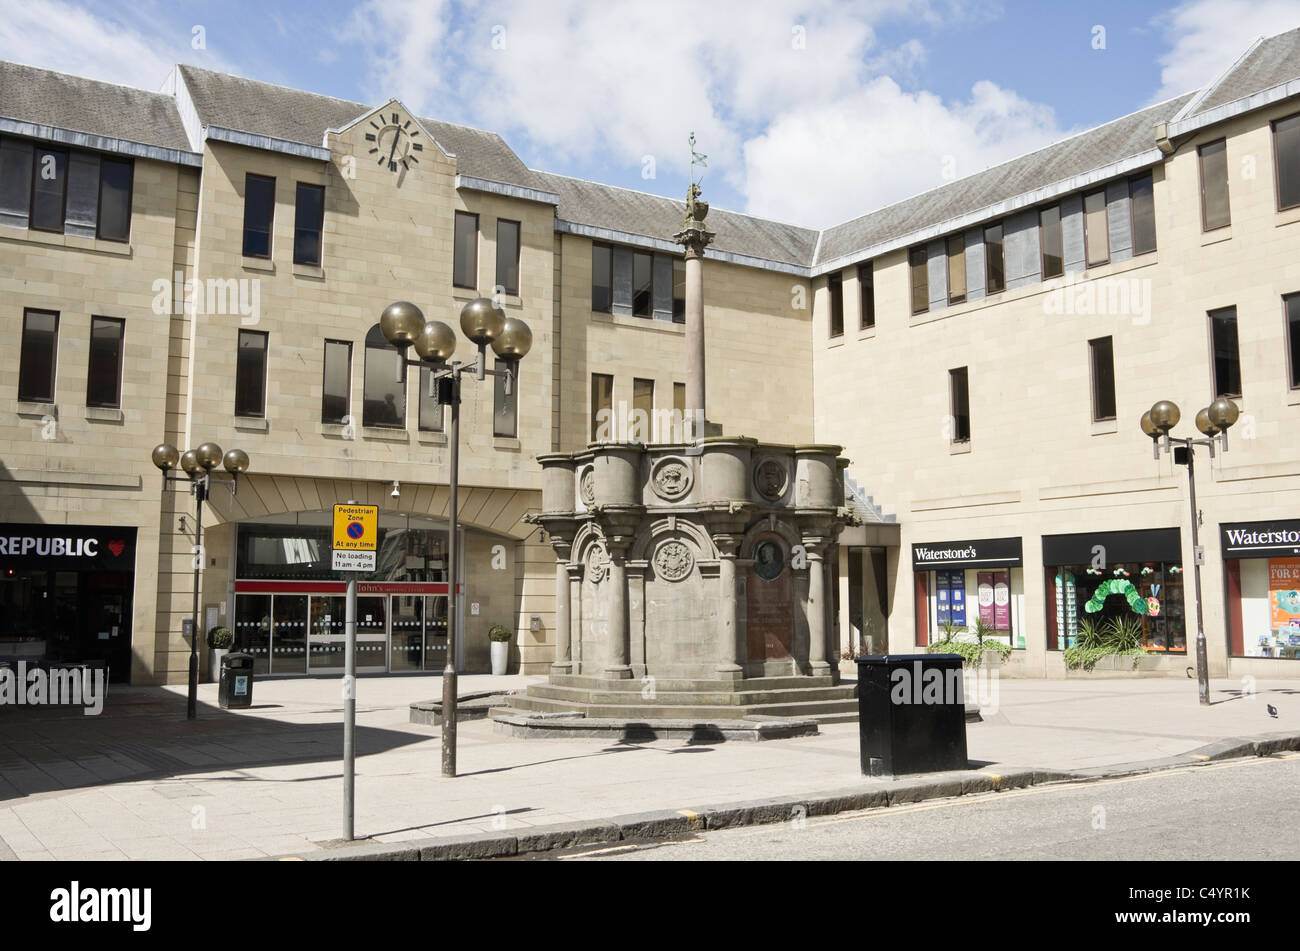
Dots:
(394, 143)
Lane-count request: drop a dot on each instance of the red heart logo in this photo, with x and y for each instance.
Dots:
(116, 547)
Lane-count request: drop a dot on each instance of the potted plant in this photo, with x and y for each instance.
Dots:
(219, 642)
(499, 635)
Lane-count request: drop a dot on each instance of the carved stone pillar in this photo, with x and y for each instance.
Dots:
(575, 612)
(728, 601)
(563, 616)
(816, 610)
(617, 666)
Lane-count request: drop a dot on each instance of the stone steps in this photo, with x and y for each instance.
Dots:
(663, 684)
(692, 698)
(664, 711)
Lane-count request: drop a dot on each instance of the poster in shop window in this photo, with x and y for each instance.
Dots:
(1001, 601)
(957, 595)
(984, 583)
(1284, 608)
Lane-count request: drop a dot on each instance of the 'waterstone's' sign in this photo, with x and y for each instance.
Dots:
(1260, 539)
(980, 552)
(67, 547)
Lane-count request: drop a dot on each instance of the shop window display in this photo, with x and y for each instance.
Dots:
(1149, 593)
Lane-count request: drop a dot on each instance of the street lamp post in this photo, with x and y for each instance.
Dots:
(198, 465)
(483, 322)
(1214, 421)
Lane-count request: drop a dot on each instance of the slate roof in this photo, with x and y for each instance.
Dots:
(44, 97)
(1274, 61)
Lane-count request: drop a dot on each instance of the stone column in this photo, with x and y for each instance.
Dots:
(575, 615)
(616, 663)
(727, 667)
(695, 237)
(816, 610)
(563, 618)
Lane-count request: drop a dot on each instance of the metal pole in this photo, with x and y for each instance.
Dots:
(1202, 668)
(191, 709)
(349, 706)
(453, 575)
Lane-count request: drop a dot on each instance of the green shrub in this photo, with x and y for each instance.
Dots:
(220, 638)
(499, 633)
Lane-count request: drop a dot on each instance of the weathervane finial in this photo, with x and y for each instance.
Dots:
(696, 158)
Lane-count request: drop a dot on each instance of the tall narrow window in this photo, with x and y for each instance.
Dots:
(1227, 359)
(38, 356)
(867, 288)
(336, 387)
(1143, 206)
(956, 268)
(1096, 238)
(602, 407)
(383, 398)
(1286, 158)
(679, 400)
(1291, 305)
(259, 214)
(916, 261)
(430, 420)
(114, 199)
(642, 283)
(250, 374)
(49, 190)
(308, 223)
(505, 403)
(508, 256)
(602, 281)
(464, 266)
(679, 290)
(835, 285)
(1215, 211)
(1049, 236)
(995, 271)
(1102, 352)
(959, 398)
(104, 366)
(643, 411)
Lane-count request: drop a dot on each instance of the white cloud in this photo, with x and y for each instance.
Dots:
(1207, 36)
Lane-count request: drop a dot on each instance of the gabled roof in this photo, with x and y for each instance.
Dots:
(1271, 62)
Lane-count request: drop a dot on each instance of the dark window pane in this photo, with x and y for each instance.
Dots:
(1286, 146)
(384, 390)
(36, 362)
(602, 407)
(114, 199)
(960, 405)
(679, 400)
(920, 281)
(1227, 361)
(508, 256)
(15, 181)
(602, 295)
(49, 186)
(259, 212)
(1049, 231)
(835, 284)
(504, 405)
(642, 283)
(430, 409)
(995, 279)
(337, 386)
(956, 269)
(1142, 201)
(679, 291)
(1103, 378)
(1214, 185)
(250, 374)
(104, 366)
(1095, 234)
(866, 284)
(308, 222)
(1292, 305)
(464, 268)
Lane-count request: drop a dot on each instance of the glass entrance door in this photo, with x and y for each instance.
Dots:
(289, 634)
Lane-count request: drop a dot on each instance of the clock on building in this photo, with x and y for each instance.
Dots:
(394, 143)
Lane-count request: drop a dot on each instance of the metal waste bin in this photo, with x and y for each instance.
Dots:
(235, 691)
(911, 714)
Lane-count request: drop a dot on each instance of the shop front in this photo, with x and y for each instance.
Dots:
(65, 596)
(1116, 586)
(964, 584)
(1261, 569)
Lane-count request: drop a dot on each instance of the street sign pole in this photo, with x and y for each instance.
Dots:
(356, 534)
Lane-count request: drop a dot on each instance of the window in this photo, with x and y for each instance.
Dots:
(643, 412)
(508, 256)
(104, 366)
(1227, 360)
(1049, 237)
(642, 284)
(679, 290)
(1291, 304)
(1286, 159)
(602, 280)
(679, 400)
(867, 288)
(464, 267)
(308, 222)
(250, 374)
(1143, 207)
(995, 272)
(384, 391)
(1096, 237)
(36, 362)
(114, 200)
(835, 284)
(430, 420)
(505, 400)
(49, 190)
(1214, 185)
(960, 403)
(920, 281)
(602, 407)
(1103, 378)
(956, 268)
(259, 213)
(336, 388)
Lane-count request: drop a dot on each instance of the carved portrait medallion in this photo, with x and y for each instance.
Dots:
(770, 479)
(673, 561)
(587, 486)
(671, 479)
(769, 559)
(597, 563)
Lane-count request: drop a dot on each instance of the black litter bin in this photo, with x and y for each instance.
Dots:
(236, 688)
(911, 714)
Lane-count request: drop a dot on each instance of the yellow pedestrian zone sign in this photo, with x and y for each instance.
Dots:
(356, 527)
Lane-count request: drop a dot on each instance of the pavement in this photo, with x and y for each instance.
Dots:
(139, 781)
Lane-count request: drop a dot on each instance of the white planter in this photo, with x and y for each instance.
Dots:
(500, 655)
(214, 663)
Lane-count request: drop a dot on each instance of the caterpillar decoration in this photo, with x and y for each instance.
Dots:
(1139, 604)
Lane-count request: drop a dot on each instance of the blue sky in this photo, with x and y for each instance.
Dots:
(812, 111)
